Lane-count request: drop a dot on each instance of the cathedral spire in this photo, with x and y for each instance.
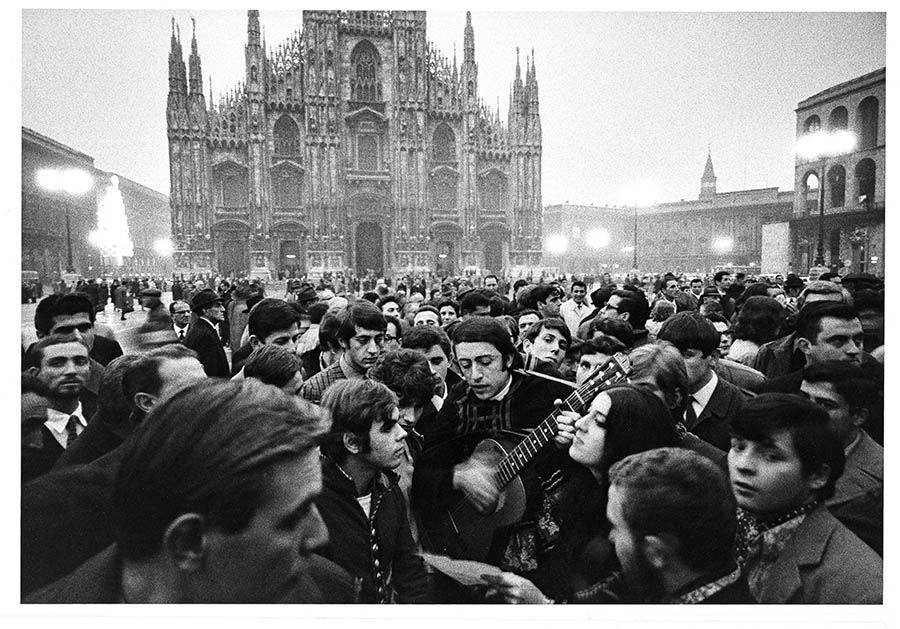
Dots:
(708, 180)
(469, 40)
(253, 27)
(195, 77)
(177, 84)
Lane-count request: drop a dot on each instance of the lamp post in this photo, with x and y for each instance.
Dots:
(70, 182)
(637, 194)
(817, 147)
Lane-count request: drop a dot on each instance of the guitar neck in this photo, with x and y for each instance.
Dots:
(615, 370)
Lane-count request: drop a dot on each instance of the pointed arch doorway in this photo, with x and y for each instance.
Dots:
(369, 249)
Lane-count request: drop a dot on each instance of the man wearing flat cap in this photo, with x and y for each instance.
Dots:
(203, 336)
(157, 330)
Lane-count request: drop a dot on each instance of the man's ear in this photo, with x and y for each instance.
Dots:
(803, 345)
(144, 401)
(33, 371)
(860, 416)
(625, 316)
(660, 550)
(351, 443)
(185, 543)
(526, 345)
(254, 341)
(817, 479)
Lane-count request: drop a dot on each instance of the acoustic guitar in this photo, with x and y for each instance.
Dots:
(462, 531)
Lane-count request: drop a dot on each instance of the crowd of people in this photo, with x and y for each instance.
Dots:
(656, 439)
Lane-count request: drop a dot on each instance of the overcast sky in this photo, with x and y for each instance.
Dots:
(625, 97)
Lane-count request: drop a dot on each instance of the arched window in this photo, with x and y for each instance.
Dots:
(367, 152)
(868, 122)
(865, 182)
(444, 144)
(837, 180)
(812, 124)
(811, 192)
(838, 119)
(287, 136)
(492, 191)
(443, 190)
(252, 73)
(365, 78)
(231, 186)
(287, 187)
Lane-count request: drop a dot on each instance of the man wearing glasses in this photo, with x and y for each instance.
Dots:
(361, 334)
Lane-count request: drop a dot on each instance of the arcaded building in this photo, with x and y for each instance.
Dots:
(852, 224)
(355, 145)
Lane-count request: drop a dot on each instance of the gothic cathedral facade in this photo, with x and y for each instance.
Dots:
(355, 145)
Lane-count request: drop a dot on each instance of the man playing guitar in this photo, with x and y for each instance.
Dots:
(556, 514)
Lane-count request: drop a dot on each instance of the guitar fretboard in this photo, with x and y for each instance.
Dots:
(615, 370)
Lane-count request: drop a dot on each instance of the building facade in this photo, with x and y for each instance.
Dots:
(718, 230)
(355, 145)
(846, 214)
(55, 220)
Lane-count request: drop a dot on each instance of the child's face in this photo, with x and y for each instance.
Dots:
(767, 477)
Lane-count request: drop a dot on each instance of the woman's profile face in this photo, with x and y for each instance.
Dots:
(590, 433)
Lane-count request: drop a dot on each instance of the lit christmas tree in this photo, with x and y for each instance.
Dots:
(111, 235)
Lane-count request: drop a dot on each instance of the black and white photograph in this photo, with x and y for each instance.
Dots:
(574, 308)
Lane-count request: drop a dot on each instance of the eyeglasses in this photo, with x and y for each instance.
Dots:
(609, 307)
(182, 312)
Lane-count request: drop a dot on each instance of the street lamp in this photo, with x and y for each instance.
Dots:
(815, 147)
(69, 181)
(638, 194)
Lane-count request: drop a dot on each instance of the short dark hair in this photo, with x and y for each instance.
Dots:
(273, 364)
(605, 344)
(178, 301)
(448, 302)
(550, 323)
(37, 350)
(270, 315)
(816, 444)
(759, 320)
(809, 319)
(682, 493)
(719, 275)
(388, 299)
(850, 381)
(405, 372)
(215, 465)
(541, 292)
(615, 328)
(424, 337)
(485, 330)
(113, 406)
(363, 314)
(526, 311)
(316, 311)
(474, 299)
(690, 330)
(635, 304)
(142, 376)
(397, 323)
(55, 305)
(579, 283)
(429, 308)
(328, 331)
(354, 405)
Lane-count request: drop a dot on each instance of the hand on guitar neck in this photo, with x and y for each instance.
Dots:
(477, 480)
(565, 430)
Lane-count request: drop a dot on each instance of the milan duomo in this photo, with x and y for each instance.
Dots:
(354, 145)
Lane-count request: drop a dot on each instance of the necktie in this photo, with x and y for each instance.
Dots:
(690, 417)
(181, 334)
(71, 430)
